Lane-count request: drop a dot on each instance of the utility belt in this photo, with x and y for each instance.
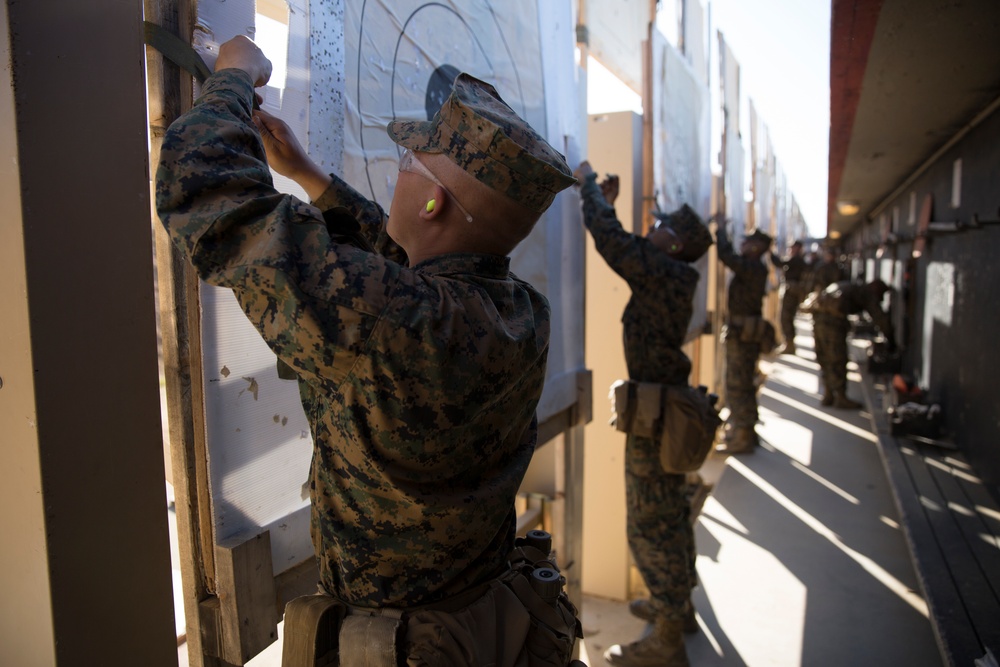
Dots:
(753, 329)
(521, 617)
(681, 418)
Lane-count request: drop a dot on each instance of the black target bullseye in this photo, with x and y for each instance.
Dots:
(409, 53)
(439, 87)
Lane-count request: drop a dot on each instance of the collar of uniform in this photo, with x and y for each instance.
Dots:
(489, 266)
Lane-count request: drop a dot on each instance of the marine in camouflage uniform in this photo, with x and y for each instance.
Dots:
(746, 292)
(831, 327)
(419, 382)
(655, 322)
(794, 287)
(826, 272)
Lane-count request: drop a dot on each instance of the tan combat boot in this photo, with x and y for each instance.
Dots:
(841, 402)
(644, 609)
(663, 647)
(738, 440)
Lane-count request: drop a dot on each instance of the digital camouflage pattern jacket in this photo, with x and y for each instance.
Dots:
(659, 311)
(794, 268)
(420, 383)
(852, 299)
(746, 290)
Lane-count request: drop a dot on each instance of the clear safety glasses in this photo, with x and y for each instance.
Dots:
(409, 162)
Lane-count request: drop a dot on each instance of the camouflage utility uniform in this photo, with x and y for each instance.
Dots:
(795, 273)
(826, 273)
(746, 291)
(655, 322)
(420, 383)
(830, 328)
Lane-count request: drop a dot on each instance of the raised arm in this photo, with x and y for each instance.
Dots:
(311, 298)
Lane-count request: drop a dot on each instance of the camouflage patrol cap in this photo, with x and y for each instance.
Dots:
(482, 135)
(689, 226)
(757, 236)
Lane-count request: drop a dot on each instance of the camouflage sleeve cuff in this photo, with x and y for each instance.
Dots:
(340, 193)
(595, 206)
(230, 80)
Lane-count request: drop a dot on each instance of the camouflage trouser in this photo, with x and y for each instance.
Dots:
(791, 297)
(830, 335)
(659, 528)
(741, 366)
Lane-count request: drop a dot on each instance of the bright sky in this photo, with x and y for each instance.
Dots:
(783, 47)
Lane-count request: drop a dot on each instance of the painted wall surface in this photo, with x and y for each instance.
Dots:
(26, 629)
(951, 313)
(614, 147)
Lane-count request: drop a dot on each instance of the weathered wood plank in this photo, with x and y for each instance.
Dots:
(245, 578)
(169, 91)
(303, 579)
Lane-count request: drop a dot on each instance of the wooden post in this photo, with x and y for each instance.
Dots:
(170, 94)
(648, 183)
(249, 619)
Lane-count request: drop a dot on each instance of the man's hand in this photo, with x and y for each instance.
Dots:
(241, 53)
(721, 229)
(583, 171)
(287, 157)
(610, 187)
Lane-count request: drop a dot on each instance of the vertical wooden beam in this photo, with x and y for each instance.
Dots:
(249, 619)
(648, 182)
(170, 94)
(569, 537)
(722, 206)
(569, 490)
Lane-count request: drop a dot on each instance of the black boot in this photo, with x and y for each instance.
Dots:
(841, 402)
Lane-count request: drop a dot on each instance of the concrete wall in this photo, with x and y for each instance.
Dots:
(948, 315)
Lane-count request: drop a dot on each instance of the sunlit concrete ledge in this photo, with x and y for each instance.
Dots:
(952, 528)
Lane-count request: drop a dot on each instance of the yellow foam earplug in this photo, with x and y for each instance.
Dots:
(431, 203)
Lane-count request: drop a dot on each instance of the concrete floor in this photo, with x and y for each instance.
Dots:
(800, 557)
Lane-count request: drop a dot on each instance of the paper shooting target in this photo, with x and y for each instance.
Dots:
(402, 56)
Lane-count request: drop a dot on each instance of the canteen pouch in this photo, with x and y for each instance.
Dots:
(689, 425)
(683, 419)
